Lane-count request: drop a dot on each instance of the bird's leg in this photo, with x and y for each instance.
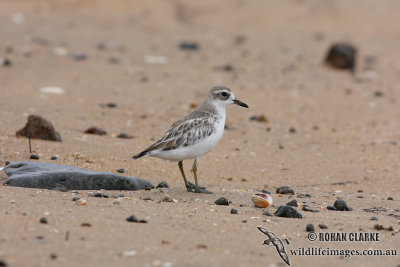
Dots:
(180, 164)
(195, 176)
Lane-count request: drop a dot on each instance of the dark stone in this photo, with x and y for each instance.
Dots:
(39, 128)
(125, 136)
(53, 256)
(49, 176)
(341, 56)
(284, 190)
(292, 203)
(310, 227)
(189, 46)
(389, 198)
(331, 208)
(378, 93)
(95, 130)
(111, 105)
(266, 192)
(5, 62)
(99, 195)
(148, 199)
(266, 213)
(234, 211)
(292, 130)
(79, 56)
(191, 187)
(322, 226)
(340, 204)
(222, 201)
(162, 184)
(374, 218)
(3, 263)
(259, 118)
(360, 191)
(113, 60)
(360, 197)
(315, 128)
(75, 198)
(133, 218)
(117, 195)
(53, 158)
(121, 170)
(307, 195)
(288, 212)
(307, 208)
(34, 156)
(43, 220)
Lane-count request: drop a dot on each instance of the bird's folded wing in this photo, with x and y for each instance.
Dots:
(184, 133)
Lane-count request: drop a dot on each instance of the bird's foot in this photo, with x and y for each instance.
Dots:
(201, 189)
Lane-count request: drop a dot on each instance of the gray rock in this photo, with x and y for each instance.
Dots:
(310, 227)
(322, 226)
(288, 212)
(49, 176)
(234, 211)
(284, 190)
(222, 201)
(340, 204)
(292, 203)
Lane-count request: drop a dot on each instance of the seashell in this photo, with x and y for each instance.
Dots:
(261, 200)
(80, 202)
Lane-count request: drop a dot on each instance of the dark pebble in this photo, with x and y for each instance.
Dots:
(322, 226)
(266, 192)
(99, 195)
(307, 208)
(281, 147)
(374, 218)
(43, 220)
(266, 213)
(341, 56)
(117, 195)
(53, 158)
(5, 62)
(259, 118)
(389, 198)
(34, 156)
(307, 195)
(292, 203)
(360, 191)
(39, 128)
(132, 218)
(284, 190)
(79, 56)
(288, 212)
(95, 130)
(292, 130)
(378, 93)
(148, 199)
(124, 136)
(52, 256)
(111, 105)
(86, 225)
(3, 263)
(75, 198)
(360, 197)
(189, 46)
(234, 211)
(341, 205)
(113, 60)
(315, 128)
(331, 208)
(121, 170)
(162, 184)
(222, 201)
(310, 227)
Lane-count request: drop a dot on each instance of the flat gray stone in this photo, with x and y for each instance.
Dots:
(53, 176)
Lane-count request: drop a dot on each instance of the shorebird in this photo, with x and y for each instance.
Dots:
(195, 134)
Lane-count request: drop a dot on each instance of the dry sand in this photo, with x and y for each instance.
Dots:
(276, 49)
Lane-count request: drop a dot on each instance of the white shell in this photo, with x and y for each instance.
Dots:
(261, 200)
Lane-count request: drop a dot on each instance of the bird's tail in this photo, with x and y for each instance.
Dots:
(141, 154)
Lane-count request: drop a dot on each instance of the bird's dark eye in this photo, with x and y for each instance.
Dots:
(224, 93)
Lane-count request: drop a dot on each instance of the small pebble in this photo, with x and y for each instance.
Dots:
(374, 218)
(234, 211)
(111, 105)
(99, 195)
(266, 192)
(53, 256)
(53, 158)
(292, 130)
(43, 220)
(76, 198)
(222, 201)
(133, 218)
(125, 136)
(307, 208)
(121, 170)
(292, 203)
(284, 190)
(310, 227)
(360, 191)
(5, 62)
(266, 213)
(389, 198)
(95, 130)
(34, 156)
(259, 118)
(360, 197)
(117, 195)
(162, 184)
(189, 46)
(322, 226)
(288, 212)
(341, 205)
(342, 56)
(86, 225)
(79, 56)
(3, 263)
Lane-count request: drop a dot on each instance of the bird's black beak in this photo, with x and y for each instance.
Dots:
(240, 103)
